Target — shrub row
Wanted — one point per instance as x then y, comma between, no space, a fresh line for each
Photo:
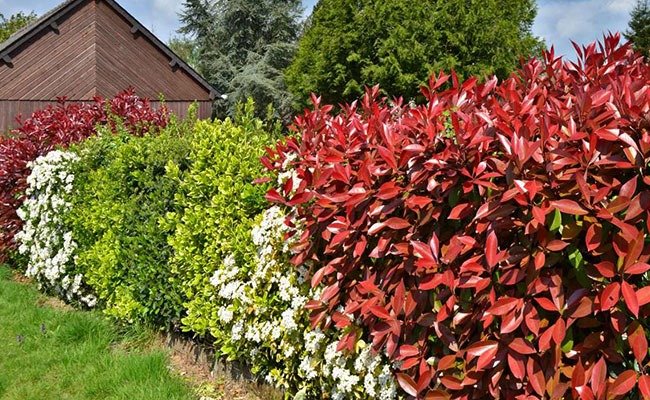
490,243
60,126
170,229
493,242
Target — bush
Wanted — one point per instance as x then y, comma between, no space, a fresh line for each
45,238
216,206
492,242
121,192
59,126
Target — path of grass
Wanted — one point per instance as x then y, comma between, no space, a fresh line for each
59,354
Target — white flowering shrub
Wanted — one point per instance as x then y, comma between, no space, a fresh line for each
263,320
45,240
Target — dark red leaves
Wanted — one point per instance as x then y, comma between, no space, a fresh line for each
623,384
496,235
638,342
569,207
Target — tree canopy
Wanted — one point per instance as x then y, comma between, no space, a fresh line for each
639,27
243,46
9,26
349,44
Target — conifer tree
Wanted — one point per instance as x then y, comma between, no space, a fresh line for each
350,44
639,27
243,47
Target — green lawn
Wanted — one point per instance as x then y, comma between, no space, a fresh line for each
53,353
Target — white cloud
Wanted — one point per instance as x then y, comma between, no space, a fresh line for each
583,21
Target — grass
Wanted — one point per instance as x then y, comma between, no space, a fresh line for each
51,352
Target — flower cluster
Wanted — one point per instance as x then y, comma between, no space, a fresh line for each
44,239
263,313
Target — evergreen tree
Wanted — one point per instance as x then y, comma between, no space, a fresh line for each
349,44
639,27
15,22
243,47
186,49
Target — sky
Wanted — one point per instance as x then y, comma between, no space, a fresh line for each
558,21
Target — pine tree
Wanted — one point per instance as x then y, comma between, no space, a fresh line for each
244,47
639,27
350,44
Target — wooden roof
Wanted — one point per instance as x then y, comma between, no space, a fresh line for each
50,22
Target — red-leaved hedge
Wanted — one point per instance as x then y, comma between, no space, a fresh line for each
60,126
493,241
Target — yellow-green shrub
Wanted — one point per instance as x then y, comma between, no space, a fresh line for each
217,202
122,190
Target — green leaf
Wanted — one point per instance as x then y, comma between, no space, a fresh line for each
556,222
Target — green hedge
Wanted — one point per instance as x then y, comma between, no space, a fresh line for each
173,230
122,191
217,202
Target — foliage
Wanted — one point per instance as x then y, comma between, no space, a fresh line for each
11,25
120,193
44,237
493,241
244,46
57,126
53,353
639,27
216,205
262,320
350,44
186,49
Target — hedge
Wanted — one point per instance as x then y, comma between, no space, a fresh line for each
493,241
489,243
60,126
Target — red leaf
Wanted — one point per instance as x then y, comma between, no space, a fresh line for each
536,376
387,156
557,245
423,251
638,342
503,306
623,384
517,364
521,346
598,376
436,395
380,312
479,348
569,207
644,386
397,223
407,384
637,269
459,211
593,237
610,296
491,249
643,295
629,295
606,269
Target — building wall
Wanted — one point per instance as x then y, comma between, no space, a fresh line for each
93,53
54,64
126,59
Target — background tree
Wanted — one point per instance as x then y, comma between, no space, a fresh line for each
14,23
352,43
244,46
186,48
639,27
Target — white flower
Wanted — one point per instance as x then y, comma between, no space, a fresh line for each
225,315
